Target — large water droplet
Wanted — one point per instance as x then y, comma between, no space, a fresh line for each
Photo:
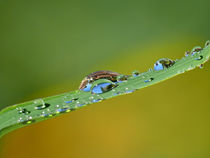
87,87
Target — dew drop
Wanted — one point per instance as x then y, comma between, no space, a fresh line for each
149,80
129,91
201,66
199,58
62,110
87,87
135,73
47,115
96,100
80,105
163,63
180,71
207,44
187,53
117,93
150,69
196,50
75,99
23,111
42,106
121,78
102,88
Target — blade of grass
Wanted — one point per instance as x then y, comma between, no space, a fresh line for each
37,110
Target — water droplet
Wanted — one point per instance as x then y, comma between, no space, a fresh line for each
42,106
196,50
149,80
71,100
23,111
180,71
150,69
201,66
187,53
80,105
28,120
117,93
47,115
102,88
121,78
87,87
129,91
135,73
199,58
163,63
96,100
62,110
207,44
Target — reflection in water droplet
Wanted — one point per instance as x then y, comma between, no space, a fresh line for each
149,80
22,111
163,63
199,58
42,106
102,88
87,87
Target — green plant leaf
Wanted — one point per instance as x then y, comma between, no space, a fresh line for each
37,110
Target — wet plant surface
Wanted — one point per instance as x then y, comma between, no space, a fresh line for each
97,87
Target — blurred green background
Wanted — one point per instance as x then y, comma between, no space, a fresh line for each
47,47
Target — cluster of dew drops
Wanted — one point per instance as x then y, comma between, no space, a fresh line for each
100,88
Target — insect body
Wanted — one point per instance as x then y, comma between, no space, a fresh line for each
89,79
163,63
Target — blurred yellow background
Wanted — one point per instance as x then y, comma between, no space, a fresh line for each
47,47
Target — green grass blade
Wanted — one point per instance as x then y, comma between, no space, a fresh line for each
37,110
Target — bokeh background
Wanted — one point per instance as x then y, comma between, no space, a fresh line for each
47,47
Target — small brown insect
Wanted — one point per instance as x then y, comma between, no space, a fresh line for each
112,76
